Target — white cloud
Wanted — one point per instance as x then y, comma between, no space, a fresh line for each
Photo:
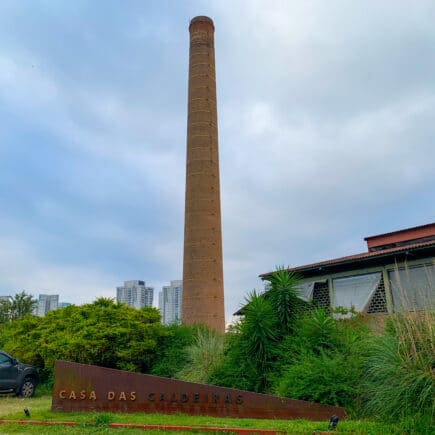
75,284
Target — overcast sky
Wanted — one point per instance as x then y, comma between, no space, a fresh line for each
326,132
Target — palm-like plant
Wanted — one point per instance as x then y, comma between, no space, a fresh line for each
283,295
319,329
258,335
259,327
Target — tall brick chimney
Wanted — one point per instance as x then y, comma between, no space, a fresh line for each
203,291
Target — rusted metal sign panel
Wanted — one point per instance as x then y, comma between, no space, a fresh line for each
81,387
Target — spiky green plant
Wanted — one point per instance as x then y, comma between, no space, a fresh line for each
319,329
283,295
259,335
259,328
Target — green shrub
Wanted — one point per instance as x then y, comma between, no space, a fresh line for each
235,369
327,377
172,354
317,331
321,360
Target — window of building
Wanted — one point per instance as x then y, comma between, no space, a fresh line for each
413,288
316,291
305,290
355,291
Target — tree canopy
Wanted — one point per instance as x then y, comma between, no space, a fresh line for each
103,333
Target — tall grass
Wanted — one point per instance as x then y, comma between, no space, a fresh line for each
400,367
203,356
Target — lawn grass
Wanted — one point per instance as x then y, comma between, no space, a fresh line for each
11,408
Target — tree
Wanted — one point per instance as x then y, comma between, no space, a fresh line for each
22,304
5,310
17,307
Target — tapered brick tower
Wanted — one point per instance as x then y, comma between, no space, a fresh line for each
203,291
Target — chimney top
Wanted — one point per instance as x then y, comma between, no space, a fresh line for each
201,21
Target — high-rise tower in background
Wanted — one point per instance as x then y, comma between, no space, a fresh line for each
135,293
203,291
47,303
170,302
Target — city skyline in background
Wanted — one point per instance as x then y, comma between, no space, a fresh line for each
134,293
326,135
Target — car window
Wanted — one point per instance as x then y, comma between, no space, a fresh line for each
4,360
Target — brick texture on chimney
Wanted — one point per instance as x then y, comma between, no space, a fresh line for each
203,292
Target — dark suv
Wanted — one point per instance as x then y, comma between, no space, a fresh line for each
16,377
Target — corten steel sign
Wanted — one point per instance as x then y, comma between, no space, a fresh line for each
81,387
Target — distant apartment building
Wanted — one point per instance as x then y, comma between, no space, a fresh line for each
170,302
64,304
47,303
4,298
136,294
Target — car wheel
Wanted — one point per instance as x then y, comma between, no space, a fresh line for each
28,388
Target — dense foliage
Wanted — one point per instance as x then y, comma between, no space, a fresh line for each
282,345
322,361
252,345
102,333
333,358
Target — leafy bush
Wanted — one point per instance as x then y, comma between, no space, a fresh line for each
318,331
235,369
103,333
322,360
171,353
329,378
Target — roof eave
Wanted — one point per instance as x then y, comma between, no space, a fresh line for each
324,267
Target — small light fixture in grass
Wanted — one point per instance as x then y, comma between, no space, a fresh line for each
333,421
26,412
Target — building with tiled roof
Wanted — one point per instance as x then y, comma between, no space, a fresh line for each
396,272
